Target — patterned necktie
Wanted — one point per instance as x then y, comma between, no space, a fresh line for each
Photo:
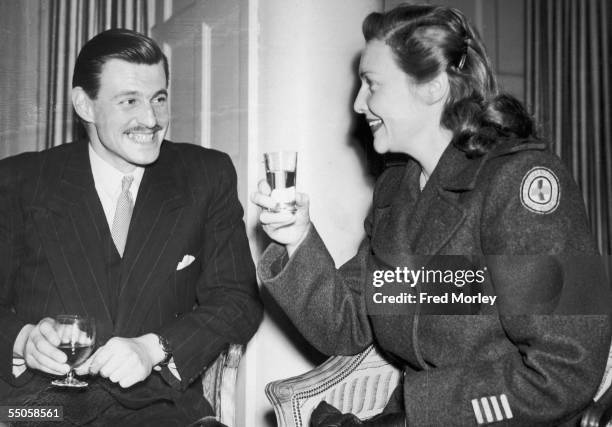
123,214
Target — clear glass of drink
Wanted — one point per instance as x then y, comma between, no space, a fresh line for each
77,336
281,168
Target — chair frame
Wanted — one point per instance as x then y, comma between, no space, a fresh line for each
289,396
219,384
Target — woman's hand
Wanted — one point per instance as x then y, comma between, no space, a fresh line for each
284,227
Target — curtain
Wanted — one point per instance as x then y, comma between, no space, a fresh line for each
71,24
568,90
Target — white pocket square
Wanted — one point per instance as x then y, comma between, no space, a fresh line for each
185,262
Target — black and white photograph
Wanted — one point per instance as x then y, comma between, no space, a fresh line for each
291,213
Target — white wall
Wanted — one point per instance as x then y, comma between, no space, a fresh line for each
307,54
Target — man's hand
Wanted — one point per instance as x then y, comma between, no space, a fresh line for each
125,361
37,344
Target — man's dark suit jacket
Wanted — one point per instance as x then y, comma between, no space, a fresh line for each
57,256
494,366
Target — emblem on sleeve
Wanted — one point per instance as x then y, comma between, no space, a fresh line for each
540,191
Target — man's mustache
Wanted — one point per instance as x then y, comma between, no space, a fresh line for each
137,129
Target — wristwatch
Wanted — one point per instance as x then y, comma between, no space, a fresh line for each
165,345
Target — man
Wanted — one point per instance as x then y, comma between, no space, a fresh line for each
167,296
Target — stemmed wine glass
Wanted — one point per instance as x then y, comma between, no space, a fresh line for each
77,336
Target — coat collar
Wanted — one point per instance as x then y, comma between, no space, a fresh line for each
407,222
457,172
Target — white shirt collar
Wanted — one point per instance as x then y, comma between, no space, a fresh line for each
107,180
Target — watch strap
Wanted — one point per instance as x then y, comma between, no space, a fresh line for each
165,345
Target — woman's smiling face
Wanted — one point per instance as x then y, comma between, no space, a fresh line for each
398,117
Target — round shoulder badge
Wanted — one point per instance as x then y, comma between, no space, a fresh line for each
540,191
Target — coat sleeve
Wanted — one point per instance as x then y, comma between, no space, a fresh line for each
324,303
229,309
327,305
558,360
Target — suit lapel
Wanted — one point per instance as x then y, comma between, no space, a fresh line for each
74,233
153,246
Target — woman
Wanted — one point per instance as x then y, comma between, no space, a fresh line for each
478,184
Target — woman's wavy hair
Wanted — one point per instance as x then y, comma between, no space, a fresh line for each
427,40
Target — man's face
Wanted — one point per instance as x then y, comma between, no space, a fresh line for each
130,114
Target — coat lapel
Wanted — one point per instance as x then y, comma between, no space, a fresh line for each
74,232
154,244
440,212
411,227
437,218
393,213
422,223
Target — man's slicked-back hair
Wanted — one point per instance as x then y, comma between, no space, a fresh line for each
116,43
